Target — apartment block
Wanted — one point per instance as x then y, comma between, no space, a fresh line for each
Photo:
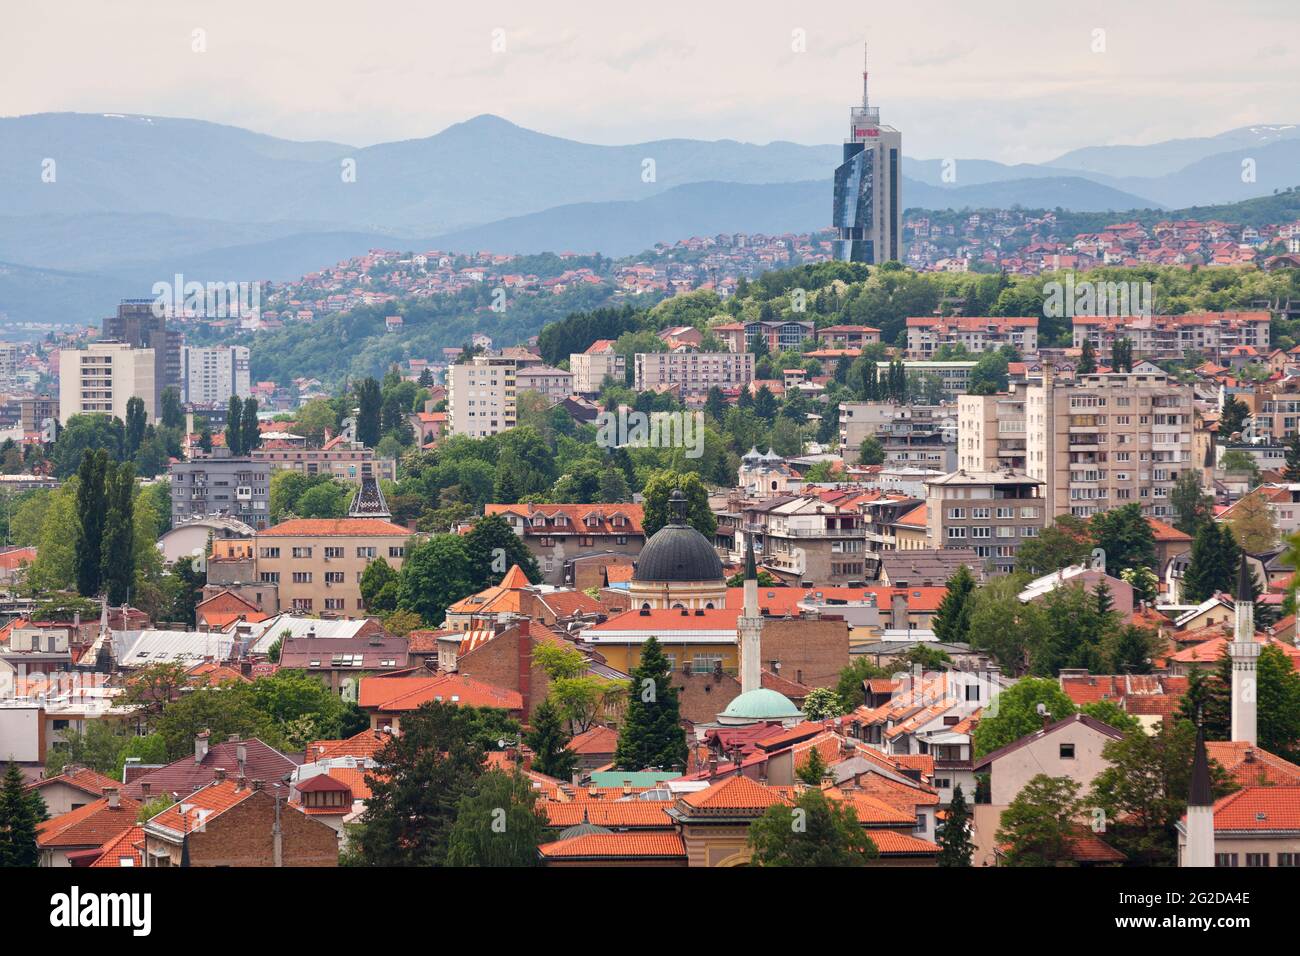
349,461
993,512
953,377
103,377
559,534
804,539
553,384
8,365
913,436
693,372
234,487
481,395
1109,439
976,333
780,334
1214,334
138,325
592,367
211,376
317,563
847,336
991,431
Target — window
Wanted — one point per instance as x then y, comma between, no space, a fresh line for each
333,553
365,553
302,577
302,552
1257,859
1067,751
1225,859
334,604
397,552
270,552
1288,859
302,604
333,577
706,663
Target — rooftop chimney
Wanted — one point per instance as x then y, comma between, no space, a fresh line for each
201,745
114,798
145,788
219,774
241,755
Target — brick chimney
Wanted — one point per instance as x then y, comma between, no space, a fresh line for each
241,755
525,664
145,788
114,798
201,745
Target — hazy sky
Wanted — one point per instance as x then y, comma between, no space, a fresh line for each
999,79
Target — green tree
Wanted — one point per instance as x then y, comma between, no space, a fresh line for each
20,813
658,490
136,420
549,742
171,411
1278,695
499,824
92,507
417,787
871,452
369,407
822,703
1190,502
1014,713
850,689
435,574
952,620
57,554
1292,470
813,769
814,832
493,549
117,551
1087,359
1039,825
235,426
1126,536
250,436
1066,542
953,837
1004,626
1212,567
651,736
380,585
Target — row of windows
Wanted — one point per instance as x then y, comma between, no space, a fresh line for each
396,551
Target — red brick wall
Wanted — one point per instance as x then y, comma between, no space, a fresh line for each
242,837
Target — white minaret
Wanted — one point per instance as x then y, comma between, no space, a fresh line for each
1200,810
749,627
1244,651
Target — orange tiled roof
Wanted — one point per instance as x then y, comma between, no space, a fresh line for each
615,814
82,778
597,740
890,843
365,744
326,527
639,845
1258,808
193,811
92,825
126,849
1252,766
408,693
734,793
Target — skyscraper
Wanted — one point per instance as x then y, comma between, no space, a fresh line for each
868,215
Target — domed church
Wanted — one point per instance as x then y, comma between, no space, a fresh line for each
678,567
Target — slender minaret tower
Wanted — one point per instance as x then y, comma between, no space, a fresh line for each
749,626
1245,653
1200,809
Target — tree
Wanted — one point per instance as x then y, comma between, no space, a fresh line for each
152,687
435,574
1143,790
135,425
952,620
1278,695
1087,359
814,831
1252,524
850,689
813,769
235,426
1212,568
871,452
499,824
1039,825
250,436
822,703
955,844
379,587
369,407
171,413
20,813
1232,419
549,742
1014,713
1125,535
417,788
58,556
1292,470
1066,542
1190,502
117,551
91,514
659,488
651,737
1207,702
493,549
1005,626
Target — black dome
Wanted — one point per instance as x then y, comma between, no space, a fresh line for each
677,552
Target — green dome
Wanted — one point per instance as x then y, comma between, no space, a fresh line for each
761,704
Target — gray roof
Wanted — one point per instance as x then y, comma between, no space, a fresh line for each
142,648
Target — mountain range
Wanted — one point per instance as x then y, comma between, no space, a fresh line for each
96,203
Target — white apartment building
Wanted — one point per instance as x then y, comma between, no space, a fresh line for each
976,333
210,376
592,367
991,431
481,396
102,378
553,383
694,372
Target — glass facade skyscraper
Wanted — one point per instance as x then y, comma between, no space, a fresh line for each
868,207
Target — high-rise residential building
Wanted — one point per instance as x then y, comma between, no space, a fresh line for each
994,512
139,326
592,367
8,365
694,372
868,211
1109,439
211,376
103,377
991,431
554,384
235,487
481,395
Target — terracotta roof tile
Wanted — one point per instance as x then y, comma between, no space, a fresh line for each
641,845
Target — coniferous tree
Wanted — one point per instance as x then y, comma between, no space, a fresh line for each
813,769
91,509
117,553
1208,700
550,743
235,426
20,812
955,845
1292,470
136,419
499,824
370,402
1087,360
651,736
952,619
250,436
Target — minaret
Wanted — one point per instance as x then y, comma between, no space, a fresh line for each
1244,652
1200,810
749,626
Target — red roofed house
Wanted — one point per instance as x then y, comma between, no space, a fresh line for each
386,698
75,838
556,534
250,759
1254,826
72,789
